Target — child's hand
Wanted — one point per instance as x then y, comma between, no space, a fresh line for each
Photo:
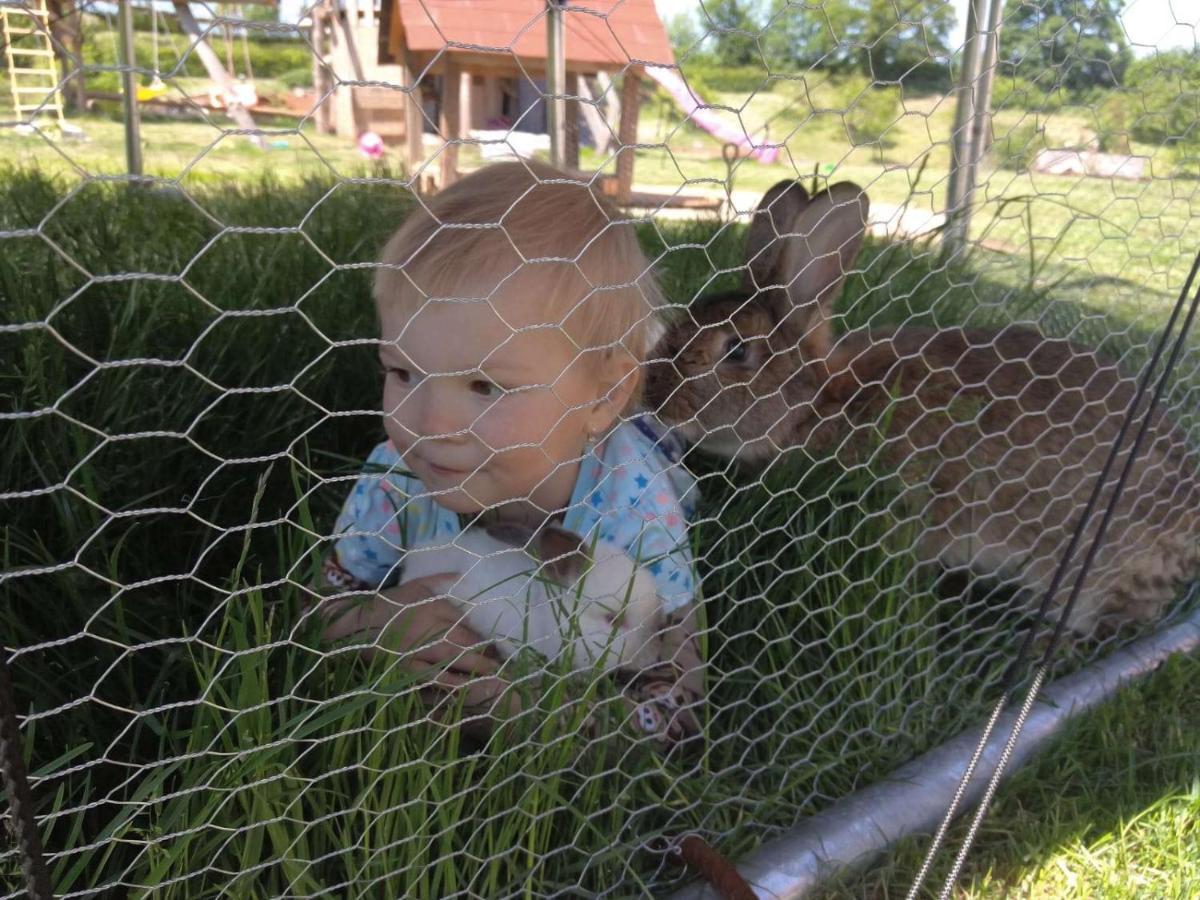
427,632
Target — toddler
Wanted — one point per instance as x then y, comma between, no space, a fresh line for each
515,315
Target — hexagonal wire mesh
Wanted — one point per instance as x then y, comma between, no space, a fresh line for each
810,466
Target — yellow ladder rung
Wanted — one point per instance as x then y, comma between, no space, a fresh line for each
34,90
16,71
15,51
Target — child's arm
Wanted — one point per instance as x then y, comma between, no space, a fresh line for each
427,633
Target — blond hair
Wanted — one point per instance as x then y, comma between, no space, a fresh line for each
467,240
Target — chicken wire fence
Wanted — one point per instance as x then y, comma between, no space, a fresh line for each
867,432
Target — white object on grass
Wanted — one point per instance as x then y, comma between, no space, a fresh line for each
591,601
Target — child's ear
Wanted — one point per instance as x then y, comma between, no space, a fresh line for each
620,379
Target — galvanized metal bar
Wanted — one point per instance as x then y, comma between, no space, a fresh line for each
132,115
556,81
955,234
860,828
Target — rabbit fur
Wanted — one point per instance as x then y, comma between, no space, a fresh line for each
591,601
997,436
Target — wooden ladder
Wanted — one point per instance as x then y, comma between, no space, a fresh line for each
29,54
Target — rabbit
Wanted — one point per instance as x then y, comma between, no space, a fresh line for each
590,600
997,435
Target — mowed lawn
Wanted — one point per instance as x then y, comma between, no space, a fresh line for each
1127,242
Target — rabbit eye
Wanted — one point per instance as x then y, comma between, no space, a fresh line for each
736,350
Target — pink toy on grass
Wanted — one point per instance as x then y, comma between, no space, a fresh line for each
370,145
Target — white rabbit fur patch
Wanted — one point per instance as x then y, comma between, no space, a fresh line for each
589,600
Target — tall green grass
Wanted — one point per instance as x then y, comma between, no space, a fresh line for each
178,442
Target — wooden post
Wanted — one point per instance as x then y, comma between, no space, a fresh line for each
414,118
465,103
597,124
627,134
322,82
450,121
571,135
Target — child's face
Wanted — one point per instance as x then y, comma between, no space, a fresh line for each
484,411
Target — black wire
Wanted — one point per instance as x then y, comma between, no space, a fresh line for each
20,798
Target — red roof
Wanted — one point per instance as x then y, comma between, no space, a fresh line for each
604,33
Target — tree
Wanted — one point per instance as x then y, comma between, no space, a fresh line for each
1075,44
886,40
66,25
801,35
733,31
684,37
906,37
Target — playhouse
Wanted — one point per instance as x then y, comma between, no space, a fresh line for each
478,72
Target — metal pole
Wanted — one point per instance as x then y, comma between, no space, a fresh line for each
982,141
556,81
981,117
133,121
858,829
957,217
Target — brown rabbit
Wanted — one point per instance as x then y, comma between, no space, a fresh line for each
997,436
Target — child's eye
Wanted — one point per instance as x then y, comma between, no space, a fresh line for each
486,389
401,375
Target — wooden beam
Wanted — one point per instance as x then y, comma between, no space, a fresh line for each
322,80
212,64
465,102
627,134
571,134
449,123
502,63
600,129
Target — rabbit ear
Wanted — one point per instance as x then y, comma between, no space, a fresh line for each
563,554
822,244
773,217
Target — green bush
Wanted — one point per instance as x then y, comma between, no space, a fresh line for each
297,78
268,59
1014,92
707,79
1017,148
1184,155
1164,97
869,111
1112,124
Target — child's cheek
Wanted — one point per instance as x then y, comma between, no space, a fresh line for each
518,420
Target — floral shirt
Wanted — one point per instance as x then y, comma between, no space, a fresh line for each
632,490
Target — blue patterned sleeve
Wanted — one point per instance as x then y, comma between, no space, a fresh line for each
377,520
641,499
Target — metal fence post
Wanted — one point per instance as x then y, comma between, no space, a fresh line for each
133,123
957,212
556,81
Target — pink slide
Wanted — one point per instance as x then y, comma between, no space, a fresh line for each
706,118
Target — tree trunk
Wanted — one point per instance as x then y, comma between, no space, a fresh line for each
66,26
